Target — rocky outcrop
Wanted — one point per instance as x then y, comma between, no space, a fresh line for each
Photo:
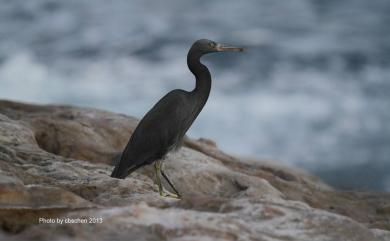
55,163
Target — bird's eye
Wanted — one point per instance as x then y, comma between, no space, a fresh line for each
212,45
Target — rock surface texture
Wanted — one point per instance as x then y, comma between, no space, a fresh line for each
55,163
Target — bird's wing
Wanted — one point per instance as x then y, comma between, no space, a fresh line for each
158,131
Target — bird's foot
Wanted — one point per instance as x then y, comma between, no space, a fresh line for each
168,194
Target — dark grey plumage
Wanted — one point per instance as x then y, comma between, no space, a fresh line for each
164,126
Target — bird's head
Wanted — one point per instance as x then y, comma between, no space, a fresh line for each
205,46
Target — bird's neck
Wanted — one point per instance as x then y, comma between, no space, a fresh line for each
202,75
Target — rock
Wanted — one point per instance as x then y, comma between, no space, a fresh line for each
55,163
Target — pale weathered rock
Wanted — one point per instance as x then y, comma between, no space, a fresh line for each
55,163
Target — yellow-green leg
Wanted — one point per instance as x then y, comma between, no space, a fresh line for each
158,167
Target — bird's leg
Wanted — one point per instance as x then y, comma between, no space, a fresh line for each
161,189
158,180
169,182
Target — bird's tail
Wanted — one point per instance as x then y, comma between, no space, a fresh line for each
116,173
121,169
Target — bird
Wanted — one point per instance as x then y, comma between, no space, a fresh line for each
163,127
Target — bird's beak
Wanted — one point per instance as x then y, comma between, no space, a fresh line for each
226,47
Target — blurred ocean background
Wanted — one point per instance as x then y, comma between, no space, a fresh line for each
312,89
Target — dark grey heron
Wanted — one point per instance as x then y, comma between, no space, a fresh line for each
164,126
